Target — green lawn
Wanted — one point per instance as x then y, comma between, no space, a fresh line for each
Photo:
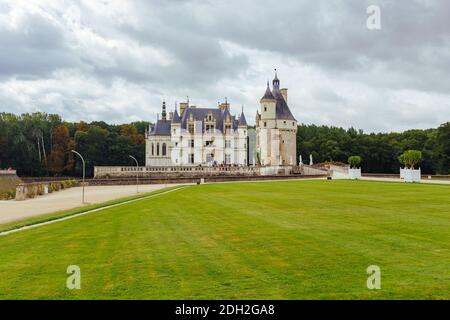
277,240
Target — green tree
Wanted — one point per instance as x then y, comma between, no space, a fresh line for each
411,158
354,161
442,149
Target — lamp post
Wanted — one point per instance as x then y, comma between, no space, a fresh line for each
137,173
84,169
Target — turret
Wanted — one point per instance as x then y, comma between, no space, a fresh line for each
242,121
268,105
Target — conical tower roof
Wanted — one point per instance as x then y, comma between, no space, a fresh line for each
242,120
268,95
176,117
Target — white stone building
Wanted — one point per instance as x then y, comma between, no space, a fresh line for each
276,128
197,136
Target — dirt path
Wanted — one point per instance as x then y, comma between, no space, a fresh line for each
67,199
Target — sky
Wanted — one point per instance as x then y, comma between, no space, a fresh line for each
116,61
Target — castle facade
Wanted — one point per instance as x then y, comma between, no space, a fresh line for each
198,136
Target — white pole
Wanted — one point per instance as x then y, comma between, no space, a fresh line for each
137,173
84,170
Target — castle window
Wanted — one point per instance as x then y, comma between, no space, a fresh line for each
157,149
265,124
164,149
191,143
284,122
227,143
227,158
191,128
153,149
265,108
191,158
293,124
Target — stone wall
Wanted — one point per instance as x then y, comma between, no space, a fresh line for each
104,172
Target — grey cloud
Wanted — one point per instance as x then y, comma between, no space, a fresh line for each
411,52
35,50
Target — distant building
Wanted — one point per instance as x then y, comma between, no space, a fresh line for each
276,128
198,136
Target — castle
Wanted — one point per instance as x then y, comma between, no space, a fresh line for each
212,136
198,136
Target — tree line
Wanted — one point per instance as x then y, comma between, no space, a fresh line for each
380,152
39,144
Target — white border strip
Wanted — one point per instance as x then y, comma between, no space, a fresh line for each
86,212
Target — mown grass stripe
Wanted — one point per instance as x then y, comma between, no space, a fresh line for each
39,224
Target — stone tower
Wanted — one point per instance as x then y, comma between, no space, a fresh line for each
276,128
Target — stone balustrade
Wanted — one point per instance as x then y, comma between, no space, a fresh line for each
101,172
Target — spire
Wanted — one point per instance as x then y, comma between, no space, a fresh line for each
164,114
242,120
276,82
176,117
268,95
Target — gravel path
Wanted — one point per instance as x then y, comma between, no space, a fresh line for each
68,199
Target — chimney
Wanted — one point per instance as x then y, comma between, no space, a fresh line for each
183,106
284,93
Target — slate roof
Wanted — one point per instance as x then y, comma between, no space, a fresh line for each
199,114
268,95
242,120
176,117
282,109
161,128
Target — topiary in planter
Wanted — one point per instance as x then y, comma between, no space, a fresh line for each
354,161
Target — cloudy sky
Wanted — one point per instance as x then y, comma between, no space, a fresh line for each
117,60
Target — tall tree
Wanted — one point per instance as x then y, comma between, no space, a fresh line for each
442,149
60,149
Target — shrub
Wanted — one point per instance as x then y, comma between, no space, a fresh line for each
335,163
40,190
411,158
31,191
354,161
8,194
52,187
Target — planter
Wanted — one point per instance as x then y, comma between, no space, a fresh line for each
354,173
410,175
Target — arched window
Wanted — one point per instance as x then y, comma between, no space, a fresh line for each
157,149
153,149
163,149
